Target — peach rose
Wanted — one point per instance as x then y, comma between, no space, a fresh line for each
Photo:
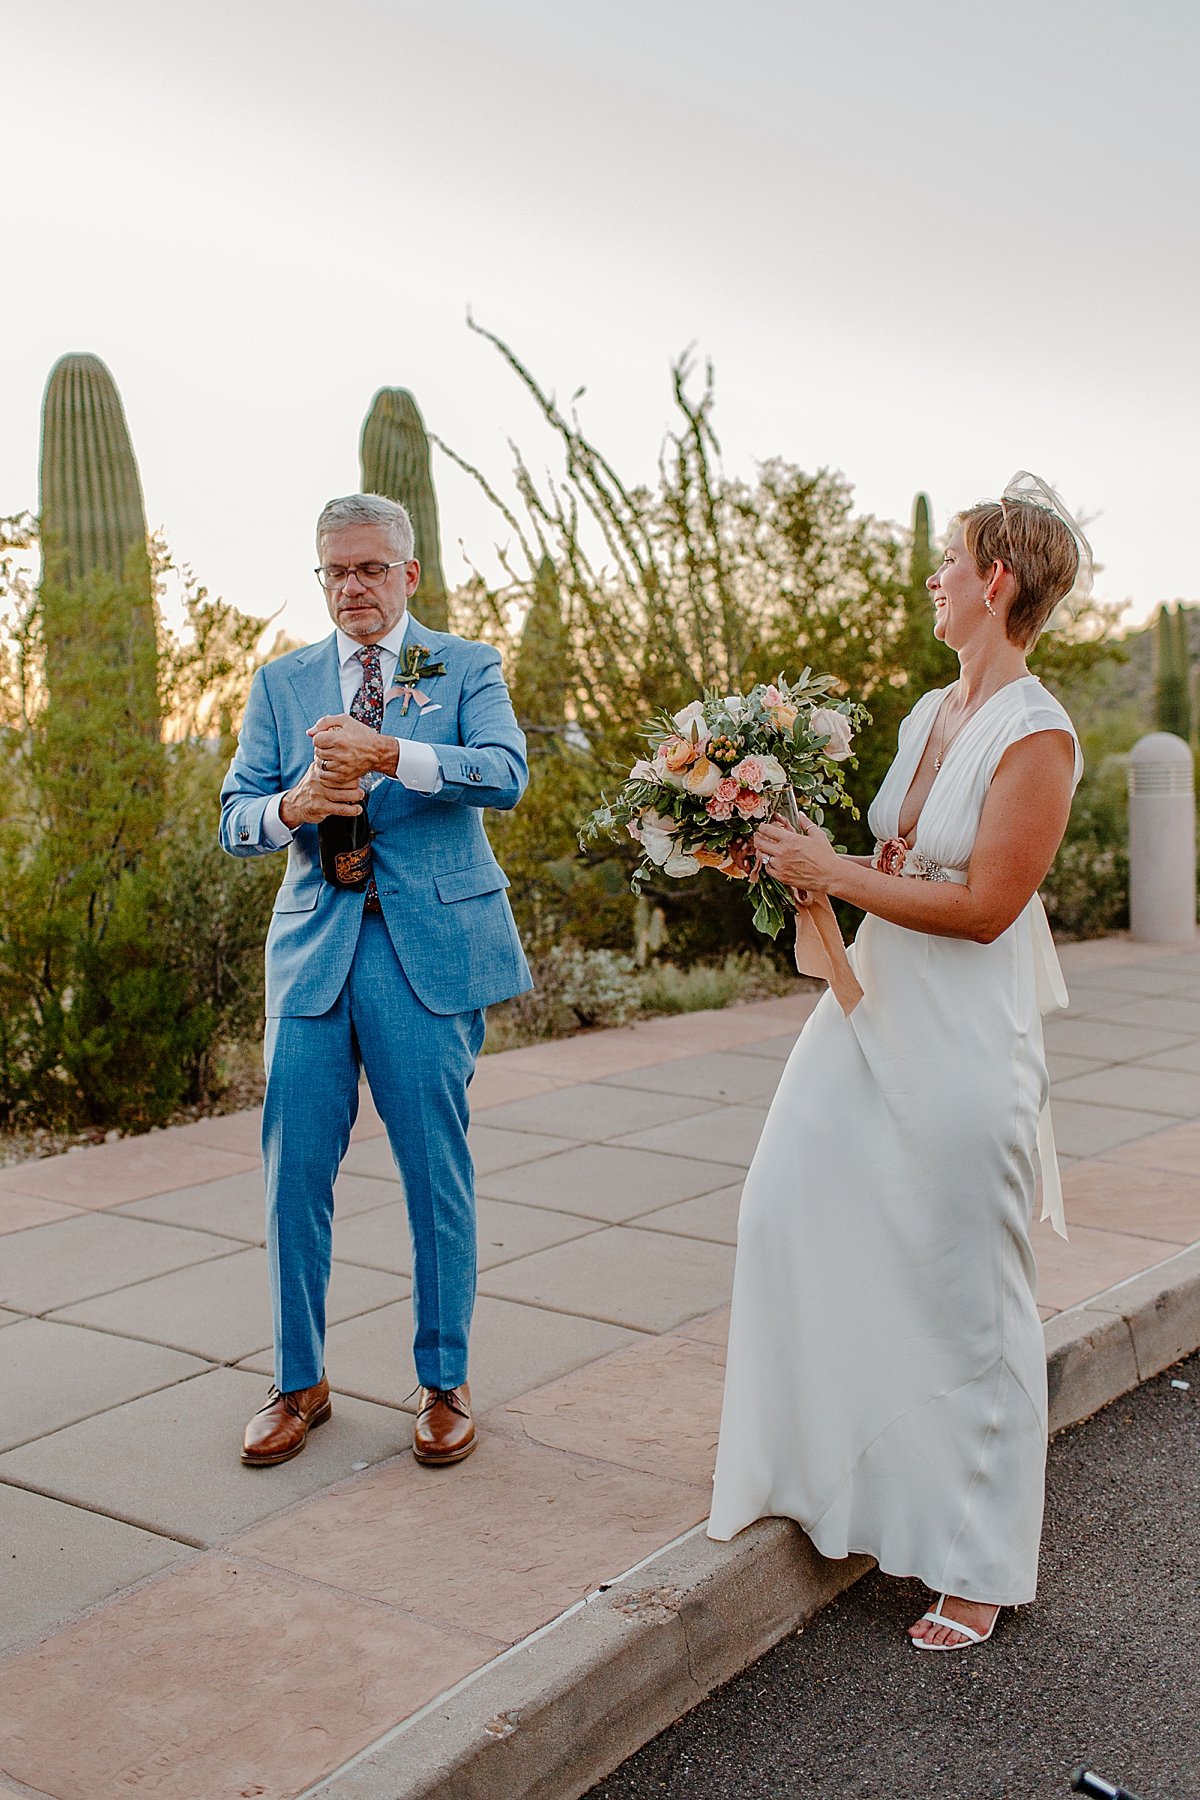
703,777
783,715
677,754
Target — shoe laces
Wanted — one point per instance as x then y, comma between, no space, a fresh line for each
449,1396
291,1402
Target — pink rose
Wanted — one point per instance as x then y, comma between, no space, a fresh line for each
726,789
720,806
772,696
749,773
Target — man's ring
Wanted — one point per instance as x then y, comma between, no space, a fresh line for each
324,766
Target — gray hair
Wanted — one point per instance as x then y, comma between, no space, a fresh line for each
369,509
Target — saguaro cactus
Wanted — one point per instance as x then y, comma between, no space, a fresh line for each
1172,699
923,561
540,678
395,462
97,592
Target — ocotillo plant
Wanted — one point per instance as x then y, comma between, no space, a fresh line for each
540,679
93,531
1172,701
395,462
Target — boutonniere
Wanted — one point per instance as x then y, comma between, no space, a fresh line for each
412,667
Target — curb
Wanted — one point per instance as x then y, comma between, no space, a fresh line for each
559,1711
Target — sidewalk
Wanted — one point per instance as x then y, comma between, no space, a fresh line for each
175,1624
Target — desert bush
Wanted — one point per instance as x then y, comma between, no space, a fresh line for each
129,944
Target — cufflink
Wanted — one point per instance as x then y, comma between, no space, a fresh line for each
474,775
244,835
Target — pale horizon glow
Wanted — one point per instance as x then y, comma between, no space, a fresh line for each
925,245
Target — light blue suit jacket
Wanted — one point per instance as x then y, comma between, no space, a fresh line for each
440,886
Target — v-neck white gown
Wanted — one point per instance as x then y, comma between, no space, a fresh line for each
886,1380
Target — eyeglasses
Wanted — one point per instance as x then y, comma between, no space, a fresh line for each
370,574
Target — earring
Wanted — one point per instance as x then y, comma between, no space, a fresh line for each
990,604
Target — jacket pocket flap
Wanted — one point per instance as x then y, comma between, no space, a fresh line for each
294,898
467,884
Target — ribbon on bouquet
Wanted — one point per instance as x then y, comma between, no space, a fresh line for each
410,693
819,947
820,950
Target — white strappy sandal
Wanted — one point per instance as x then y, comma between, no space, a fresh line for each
937,1617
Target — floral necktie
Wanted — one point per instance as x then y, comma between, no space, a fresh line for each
367,708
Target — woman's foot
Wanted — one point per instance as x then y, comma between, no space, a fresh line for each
936,1630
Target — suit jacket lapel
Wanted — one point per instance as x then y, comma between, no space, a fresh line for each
316,681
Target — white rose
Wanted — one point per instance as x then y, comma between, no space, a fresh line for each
658,835
668,777
680,864
836,727
644,771
690,723
734,705
773,772
704,777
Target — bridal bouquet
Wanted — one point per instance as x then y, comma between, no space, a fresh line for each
719,768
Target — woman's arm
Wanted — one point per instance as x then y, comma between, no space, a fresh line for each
1020,829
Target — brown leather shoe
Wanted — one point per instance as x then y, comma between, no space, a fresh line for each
279,1429
445,1430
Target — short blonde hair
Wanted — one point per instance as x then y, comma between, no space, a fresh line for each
1038,548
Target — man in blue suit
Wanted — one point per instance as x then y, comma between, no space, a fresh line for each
392,980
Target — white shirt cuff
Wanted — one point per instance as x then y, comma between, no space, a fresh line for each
417,766
274,831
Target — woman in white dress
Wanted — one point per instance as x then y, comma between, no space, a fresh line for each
886,1380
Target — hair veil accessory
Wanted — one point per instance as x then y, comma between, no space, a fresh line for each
1027,489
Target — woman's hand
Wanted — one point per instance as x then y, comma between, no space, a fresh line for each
802,859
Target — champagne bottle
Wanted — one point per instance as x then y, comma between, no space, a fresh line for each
345,846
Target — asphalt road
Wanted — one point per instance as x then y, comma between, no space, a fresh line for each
1103,1669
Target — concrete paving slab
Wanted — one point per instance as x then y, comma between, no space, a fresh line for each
52,1265
1097,1038
513,1347
773,1049
594,1054
622,1276
712,1216
1137,979
381,1240
727,1134
655,1406
59,1560
51,1375
545,1529
10,1318
592,1111
1070,1273
598,1181
496,1082
237,1131
223,1679
490,1150
222,1311
1168,1091
1176,1150
1185,1056
748,1079
169,1462
19,1211
101,1175
1083,1128
1161,1013
1153,1203
709,1328
235,1206
1062,1067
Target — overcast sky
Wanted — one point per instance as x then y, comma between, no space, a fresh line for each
924,243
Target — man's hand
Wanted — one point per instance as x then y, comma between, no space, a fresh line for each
317,797
346,749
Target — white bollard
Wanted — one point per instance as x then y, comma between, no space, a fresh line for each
1162,841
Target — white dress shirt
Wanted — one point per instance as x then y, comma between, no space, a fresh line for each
417,765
